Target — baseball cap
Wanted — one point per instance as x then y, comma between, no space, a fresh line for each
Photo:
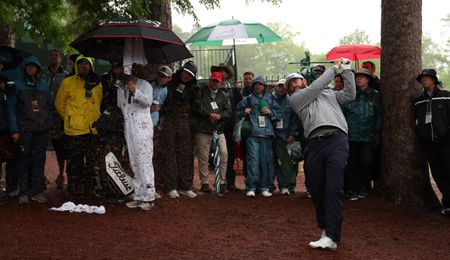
281,82
166,71
291,77
216,76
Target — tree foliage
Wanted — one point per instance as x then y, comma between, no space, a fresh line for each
356,37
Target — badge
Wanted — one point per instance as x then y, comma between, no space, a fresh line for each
428,118
262,121
279,124
180,88
35,106
214,105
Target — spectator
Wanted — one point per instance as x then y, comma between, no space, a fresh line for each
29,115
111,81
327,149
54,74
375,84
159,98
135,102
78,103
318,70
285,132
338,82
211,112
363,117
175,124
261,110
432,113
247,89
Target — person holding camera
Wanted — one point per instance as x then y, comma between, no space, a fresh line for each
29,115
326,152
78,103
262,111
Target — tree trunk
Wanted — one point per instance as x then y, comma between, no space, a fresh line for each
404,176
6,36
161,11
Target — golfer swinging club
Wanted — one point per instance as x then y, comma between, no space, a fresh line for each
327,147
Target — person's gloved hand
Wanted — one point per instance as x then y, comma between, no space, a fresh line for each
346,64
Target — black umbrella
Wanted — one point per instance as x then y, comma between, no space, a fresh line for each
12,57
106,41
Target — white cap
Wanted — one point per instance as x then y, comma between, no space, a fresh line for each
291,77
281,82
166,71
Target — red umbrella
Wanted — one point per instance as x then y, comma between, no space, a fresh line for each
355,52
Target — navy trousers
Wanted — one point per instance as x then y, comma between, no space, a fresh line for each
325,161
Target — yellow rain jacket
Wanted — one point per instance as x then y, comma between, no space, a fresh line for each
78,112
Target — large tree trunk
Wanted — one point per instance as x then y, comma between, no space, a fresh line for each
161,11
6,36
404,175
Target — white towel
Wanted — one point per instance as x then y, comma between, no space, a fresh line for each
71,207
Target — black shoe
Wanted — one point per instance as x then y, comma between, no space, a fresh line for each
233,188
205,188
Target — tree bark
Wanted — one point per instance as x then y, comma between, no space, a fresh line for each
404,177
161,11
6,36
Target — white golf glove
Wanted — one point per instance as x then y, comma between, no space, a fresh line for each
346,64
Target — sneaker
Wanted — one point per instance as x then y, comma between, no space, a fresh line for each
363,195
157,196
60,181
23,200
173,194
205,188
40,198
446,212
284,192
13,194
266,194
353,196
145,205
133,204
188,193
323,243
250,194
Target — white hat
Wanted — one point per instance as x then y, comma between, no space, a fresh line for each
166,71
281,82
291,77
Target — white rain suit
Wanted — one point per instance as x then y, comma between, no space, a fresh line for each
139,137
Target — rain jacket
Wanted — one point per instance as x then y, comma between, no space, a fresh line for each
317,106
22,114
252,102
287,126
363,116
78,112
203,107
438,106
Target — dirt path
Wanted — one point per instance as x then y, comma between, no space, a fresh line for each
209,227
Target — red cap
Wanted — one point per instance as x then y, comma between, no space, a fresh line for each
217,76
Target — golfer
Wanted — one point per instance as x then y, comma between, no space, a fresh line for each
327,146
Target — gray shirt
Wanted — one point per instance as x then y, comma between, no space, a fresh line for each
317,106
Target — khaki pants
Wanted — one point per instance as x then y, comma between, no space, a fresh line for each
202,147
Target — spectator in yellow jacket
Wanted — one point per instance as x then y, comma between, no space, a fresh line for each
78,103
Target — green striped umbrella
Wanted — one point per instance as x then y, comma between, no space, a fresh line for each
233,32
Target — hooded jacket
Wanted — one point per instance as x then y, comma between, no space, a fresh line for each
30,106
363,115
73,104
